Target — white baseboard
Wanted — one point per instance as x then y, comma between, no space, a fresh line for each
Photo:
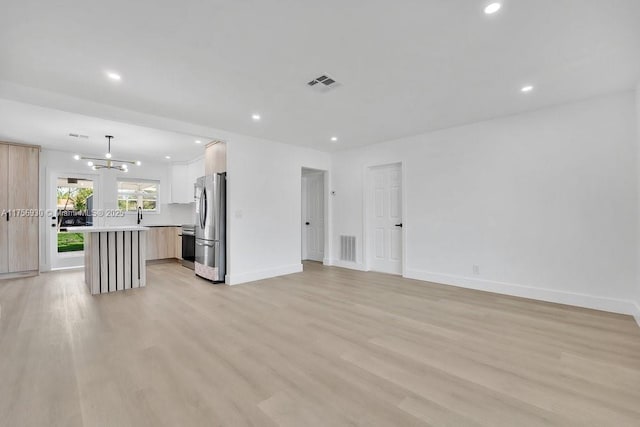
636,313
81,267
252,276
347,264
613,305
19,275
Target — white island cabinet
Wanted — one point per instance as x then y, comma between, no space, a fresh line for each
114,258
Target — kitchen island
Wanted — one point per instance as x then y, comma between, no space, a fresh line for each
114,258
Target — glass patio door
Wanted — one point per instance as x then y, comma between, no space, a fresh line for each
71,202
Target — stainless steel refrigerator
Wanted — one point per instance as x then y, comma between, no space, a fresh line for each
211,208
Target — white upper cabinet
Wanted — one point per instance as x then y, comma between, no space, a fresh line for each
179,184
195,171
183,177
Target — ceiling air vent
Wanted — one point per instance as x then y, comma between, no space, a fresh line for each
324,83
78,135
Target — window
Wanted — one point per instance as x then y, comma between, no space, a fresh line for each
133,193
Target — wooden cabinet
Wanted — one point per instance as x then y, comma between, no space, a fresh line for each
178,234
19,231
4,205
162,243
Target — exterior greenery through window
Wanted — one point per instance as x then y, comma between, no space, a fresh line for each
133,193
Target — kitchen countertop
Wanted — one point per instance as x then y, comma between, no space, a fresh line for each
97,229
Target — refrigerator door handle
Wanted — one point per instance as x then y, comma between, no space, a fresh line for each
203,210
200,209
209,245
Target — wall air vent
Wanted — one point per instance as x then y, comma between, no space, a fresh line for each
323,83
348,248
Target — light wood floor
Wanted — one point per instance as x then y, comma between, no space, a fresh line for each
326,347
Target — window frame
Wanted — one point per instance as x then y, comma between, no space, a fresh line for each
140,199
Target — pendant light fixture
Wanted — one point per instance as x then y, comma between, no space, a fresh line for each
108,162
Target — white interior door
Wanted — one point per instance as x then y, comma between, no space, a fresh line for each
313,216
385,219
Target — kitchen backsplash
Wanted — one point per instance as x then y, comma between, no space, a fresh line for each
169,214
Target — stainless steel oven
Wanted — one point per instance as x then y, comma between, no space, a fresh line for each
189,246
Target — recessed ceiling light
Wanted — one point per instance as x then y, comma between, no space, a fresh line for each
114,76
198,141
492,8
334,138
526,89
167,157
255,117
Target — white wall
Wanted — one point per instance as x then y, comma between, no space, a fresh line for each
263,202
264,189
265,241
550,160
637,307
545,203
106,187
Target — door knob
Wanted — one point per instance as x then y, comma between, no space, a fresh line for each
307,223
399,225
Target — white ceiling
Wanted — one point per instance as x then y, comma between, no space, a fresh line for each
405,67
20,122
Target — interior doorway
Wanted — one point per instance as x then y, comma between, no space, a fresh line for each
384,219
71,203
313,215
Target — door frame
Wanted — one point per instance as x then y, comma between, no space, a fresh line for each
51,206
366,199
325,202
